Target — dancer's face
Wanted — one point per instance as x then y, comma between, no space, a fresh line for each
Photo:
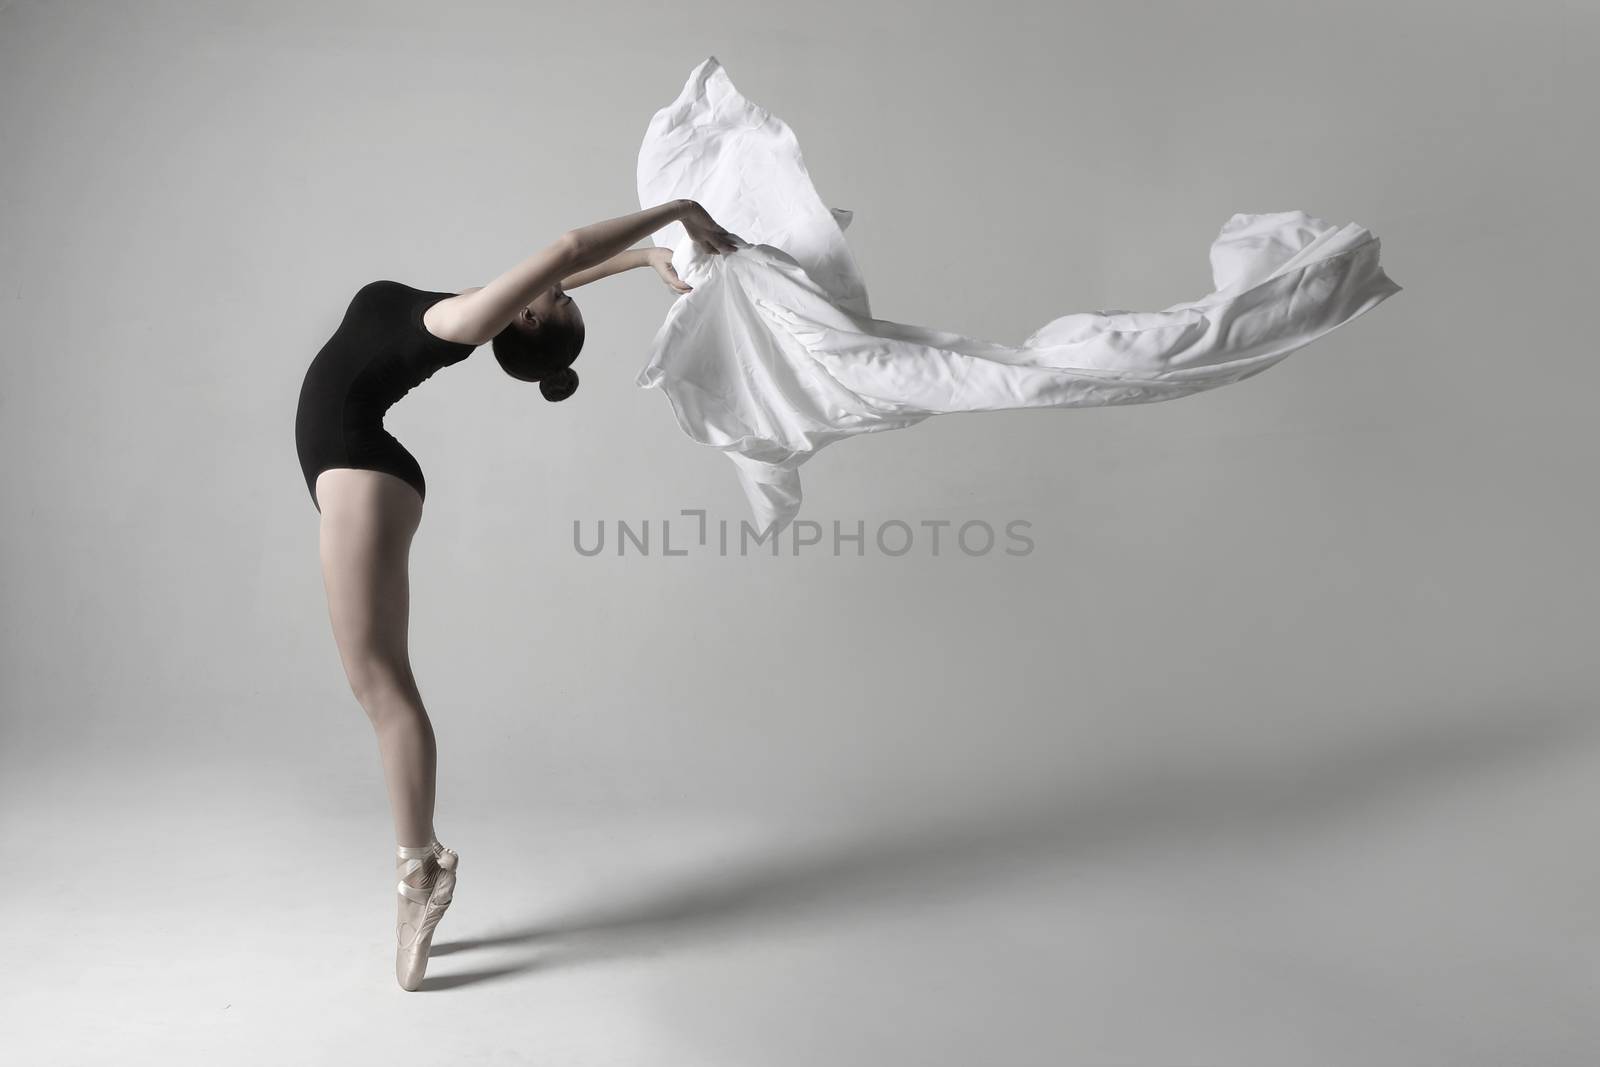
554,306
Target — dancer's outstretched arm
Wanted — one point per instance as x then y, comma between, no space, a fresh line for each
655,257
627,259
483,313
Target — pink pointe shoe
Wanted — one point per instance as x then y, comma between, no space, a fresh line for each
427,885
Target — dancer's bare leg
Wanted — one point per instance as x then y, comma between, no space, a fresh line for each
368,520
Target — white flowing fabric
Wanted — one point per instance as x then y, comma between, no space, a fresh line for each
775,354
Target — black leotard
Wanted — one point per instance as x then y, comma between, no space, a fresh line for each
379,353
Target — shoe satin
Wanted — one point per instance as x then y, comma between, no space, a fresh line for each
420,909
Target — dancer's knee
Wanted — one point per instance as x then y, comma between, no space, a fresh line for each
383,689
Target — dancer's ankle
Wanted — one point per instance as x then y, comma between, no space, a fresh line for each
418,852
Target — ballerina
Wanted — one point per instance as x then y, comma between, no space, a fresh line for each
369,490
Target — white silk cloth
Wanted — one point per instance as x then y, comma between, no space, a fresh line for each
775,355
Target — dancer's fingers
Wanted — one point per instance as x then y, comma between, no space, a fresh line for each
720,244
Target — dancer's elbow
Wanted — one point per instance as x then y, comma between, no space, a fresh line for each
570,247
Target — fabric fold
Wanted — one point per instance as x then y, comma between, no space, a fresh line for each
775,355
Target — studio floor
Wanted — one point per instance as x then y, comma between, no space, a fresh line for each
1416,902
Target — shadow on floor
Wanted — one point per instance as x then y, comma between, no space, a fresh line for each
888,866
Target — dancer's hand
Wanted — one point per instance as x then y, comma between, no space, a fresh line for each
660,259
709,237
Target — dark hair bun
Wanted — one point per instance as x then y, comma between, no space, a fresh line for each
560,385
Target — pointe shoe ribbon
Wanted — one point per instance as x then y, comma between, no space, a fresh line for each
441,888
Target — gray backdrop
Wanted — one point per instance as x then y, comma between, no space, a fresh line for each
1277,748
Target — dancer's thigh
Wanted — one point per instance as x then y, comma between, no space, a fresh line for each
368,521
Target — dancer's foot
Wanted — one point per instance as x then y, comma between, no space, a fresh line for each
427,885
